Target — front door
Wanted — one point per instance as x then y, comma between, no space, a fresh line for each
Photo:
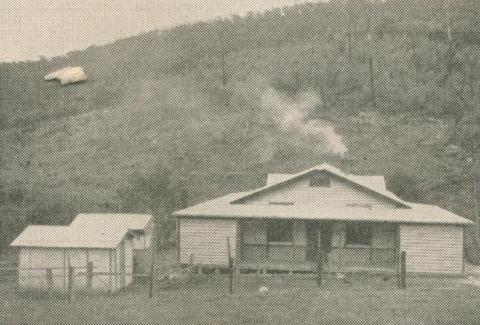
312,232
319,236
326,237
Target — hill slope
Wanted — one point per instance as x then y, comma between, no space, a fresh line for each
222,103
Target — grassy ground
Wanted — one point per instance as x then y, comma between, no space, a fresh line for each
361,300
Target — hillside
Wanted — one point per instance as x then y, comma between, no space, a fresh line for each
222,103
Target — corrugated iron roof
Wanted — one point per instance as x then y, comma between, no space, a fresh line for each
69,237
229,206
418,213
136,222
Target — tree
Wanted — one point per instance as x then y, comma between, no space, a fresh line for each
405,186
151,192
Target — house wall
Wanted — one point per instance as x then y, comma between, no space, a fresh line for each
339,193
206,240
433,248
380,254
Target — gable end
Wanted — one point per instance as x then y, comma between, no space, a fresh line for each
324,178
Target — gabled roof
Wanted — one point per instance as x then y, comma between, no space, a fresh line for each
358,181
228,206
70,237
136,222
222,208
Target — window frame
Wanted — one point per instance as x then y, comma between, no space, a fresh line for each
319,181
357,228
288,226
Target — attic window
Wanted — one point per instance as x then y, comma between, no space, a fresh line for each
319,181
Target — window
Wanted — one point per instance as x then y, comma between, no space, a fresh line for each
358,234
319,181
280,203
359,205
280,231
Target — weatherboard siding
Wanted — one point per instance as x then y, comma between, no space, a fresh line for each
206,240
338,193
31,263
433,248
128,260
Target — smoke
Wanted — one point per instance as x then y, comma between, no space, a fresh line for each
291,115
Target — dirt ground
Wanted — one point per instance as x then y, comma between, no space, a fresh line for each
359,299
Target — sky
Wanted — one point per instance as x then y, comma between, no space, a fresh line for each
33,28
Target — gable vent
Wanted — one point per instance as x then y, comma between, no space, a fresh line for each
319,181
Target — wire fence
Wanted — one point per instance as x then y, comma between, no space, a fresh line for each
69,281
62,280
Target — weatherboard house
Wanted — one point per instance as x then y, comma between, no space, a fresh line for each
353,221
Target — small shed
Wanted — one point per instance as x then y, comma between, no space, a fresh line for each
46,252
140,225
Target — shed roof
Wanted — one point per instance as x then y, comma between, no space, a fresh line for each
136,222
69,237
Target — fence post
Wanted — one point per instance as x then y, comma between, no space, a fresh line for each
71,283
403,270
89,275
191,265
49,275
319,267
150,285
230,267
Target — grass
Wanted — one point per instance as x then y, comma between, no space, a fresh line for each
290,300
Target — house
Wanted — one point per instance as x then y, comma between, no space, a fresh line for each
354,221
140,225
55,248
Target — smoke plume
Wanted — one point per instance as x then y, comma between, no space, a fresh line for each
291,115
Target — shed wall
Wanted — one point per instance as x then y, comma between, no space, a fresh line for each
128,270
206,240
433,248
34,262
